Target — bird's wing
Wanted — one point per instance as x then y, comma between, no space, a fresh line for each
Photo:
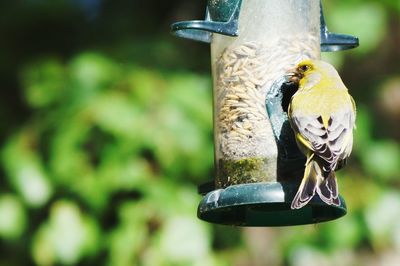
340,132
328,137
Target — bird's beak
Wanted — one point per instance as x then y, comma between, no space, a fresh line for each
293,75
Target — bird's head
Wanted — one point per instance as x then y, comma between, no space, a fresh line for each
311,71
302,69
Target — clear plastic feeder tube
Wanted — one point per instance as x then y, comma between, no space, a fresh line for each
274,35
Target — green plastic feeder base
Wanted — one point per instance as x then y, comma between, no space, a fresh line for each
264,204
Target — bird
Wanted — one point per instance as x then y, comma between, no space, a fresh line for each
322,115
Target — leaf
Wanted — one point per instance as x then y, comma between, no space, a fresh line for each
68,236
25,169
14,218
44,82
91,73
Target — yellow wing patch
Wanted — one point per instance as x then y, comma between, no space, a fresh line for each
303,141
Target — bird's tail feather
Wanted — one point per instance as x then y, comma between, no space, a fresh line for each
313,182
328,190
308,185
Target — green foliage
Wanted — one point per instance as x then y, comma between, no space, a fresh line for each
110,134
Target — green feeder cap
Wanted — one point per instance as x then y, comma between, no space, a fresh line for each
264,204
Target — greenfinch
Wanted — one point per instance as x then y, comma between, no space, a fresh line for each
322,115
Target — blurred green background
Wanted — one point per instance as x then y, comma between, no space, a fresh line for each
106,130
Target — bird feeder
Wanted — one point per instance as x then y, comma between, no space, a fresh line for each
258,165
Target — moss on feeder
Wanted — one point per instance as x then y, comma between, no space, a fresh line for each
247,170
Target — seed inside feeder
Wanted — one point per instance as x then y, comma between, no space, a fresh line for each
244,74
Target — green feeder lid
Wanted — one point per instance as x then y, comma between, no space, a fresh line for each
264,204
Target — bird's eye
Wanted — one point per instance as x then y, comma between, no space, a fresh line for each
304,68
